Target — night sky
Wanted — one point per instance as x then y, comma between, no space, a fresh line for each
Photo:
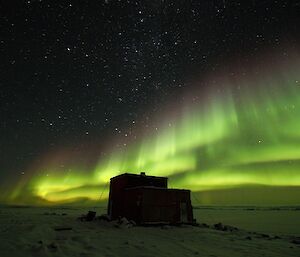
86,87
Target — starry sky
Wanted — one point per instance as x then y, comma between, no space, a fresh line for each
205,92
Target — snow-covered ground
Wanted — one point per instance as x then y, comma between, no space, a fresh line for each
280,220
36,232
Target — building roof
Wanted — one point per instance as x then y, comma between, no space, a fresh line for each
142,174
157,188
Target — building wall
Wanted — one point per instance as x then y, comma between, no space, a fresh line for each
166,206
116,203
131,198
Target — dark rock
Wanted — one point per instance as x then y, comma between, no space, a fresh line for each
231,229
52,246
62,228
296,241
122,222
103,217
90,216
221,227
264,235
203,225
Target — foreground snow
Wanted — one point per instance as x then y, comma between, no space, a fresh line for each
57,232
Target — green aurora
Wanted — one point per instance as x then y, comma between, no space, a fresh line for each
245,134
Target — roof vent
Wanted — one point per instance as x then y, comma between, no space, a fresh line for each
143,174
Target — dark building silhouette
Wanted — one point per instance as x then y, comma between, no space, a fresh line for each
147,199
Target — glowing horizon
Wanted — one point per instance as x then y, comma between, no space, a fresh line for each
247,134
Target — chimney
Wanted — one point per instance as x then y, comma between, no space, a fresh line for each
143,174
